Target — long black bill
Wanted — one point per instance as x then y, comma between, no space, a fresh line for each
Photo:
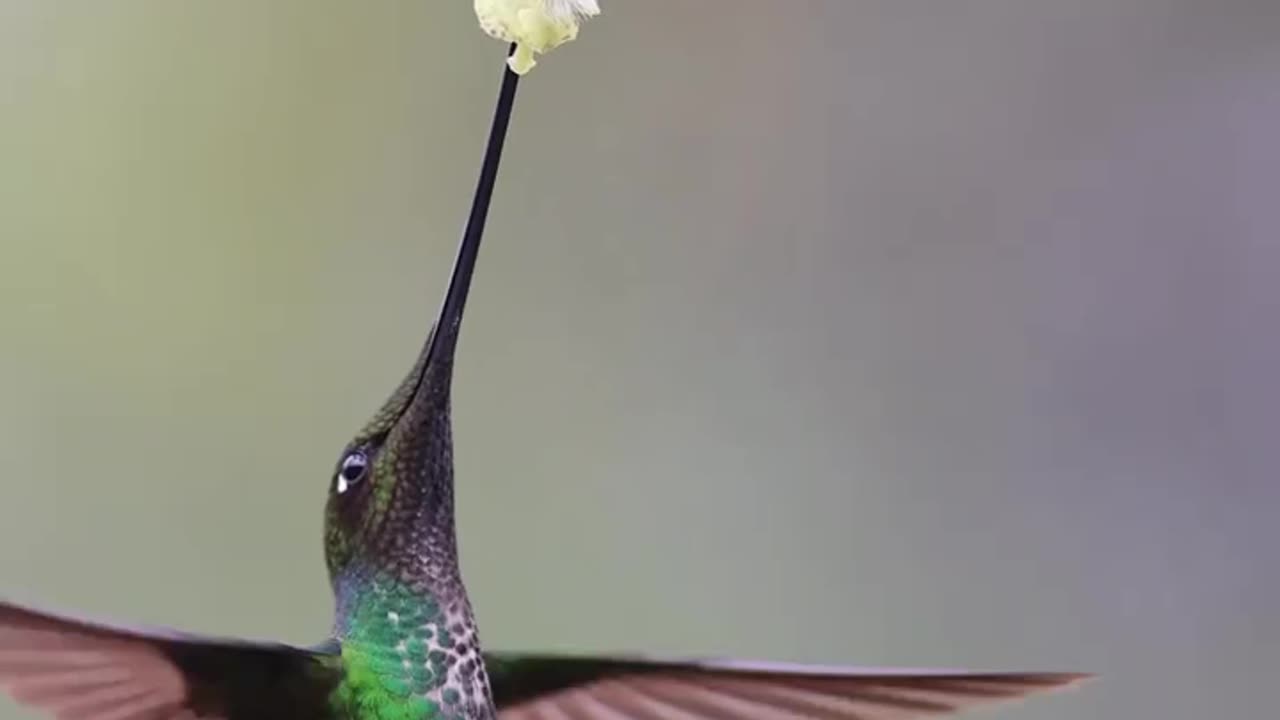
422,397
445,338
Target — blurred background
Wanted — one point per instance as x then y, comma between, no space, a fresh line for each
892,332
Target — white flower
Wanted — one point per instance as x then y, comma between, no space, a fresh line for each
535,26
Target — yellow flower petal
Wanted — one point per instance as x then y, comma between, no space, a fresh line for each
535,26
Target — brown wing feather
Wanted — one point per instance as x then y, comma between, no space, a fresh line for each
79,673
77,669
565,688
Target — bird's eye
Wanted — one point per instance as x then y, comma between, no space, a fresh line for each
354,466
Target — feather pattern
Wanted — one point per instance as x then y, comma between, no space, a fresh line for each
533,687
76,669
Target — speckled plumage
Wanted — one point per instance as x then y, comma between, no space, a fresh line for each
407,655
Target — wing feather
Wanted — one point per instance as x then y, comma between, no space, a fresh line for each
79,669
544,687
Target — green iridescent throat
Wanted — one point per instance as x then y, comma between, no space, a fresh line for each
408,655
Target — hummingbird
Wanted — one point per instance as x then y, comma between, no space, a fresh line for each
404,643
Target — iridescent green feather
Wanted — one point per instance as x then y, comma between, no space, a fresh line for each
397,651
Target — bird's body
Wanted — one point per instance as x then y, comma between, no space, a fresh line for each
404,644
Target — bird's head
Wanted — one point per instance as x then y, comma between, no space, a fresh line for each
390,504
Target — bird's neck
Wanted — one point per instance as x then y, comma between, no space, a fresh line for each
409,647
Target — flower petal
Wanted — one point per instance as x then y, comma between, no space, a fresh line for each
535,26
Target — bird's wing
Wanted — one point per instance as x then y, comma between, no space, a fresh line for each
78,669
533,687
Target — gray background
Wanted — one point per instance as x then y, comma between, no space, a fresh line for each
893,332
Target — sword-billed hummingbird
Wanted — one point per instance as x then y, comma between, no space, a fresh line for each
404,644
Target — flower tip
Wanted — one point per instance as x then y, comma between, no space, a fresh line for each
535,26
521,61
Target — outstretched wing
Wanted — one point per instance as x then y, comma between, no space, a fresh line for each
78,669
532,687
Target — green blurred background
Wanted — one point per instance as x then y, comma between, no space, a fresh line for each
892,332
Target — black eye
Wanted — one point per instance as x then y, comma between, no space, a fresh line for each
353,468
